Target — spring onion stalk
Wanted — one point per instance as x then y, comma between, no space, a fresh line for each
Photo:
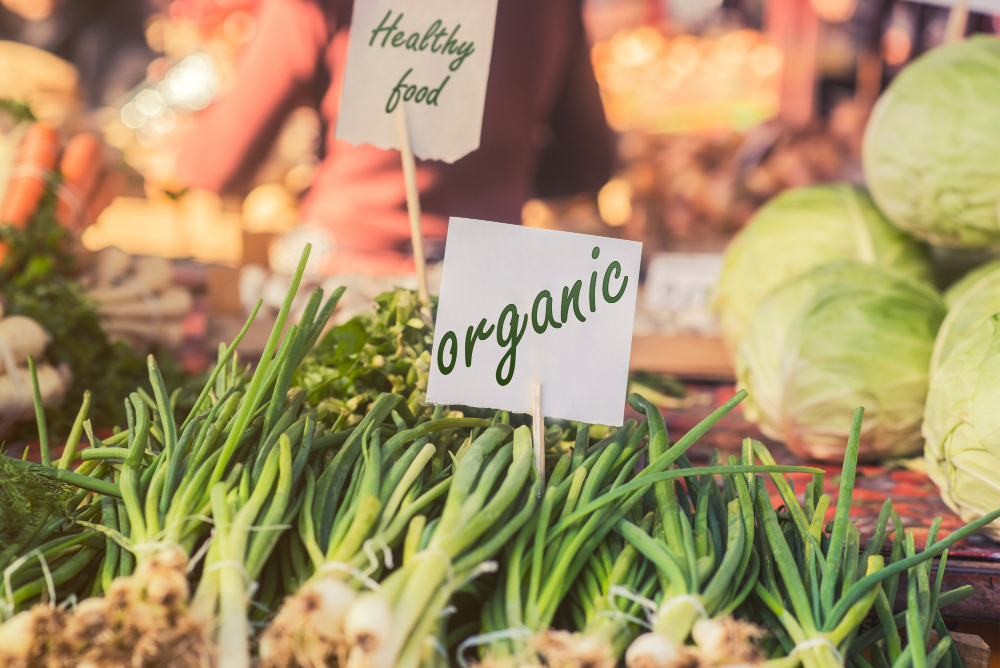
224,588
73,440
817,585
542,563
611,595
924,601
349,538
701,544
488,500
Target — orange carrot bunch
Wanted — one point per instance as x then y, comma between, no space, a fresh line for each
86,188
35,160
82,168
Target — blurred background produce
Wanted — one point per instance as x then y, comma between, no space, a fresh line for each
136,298
86,326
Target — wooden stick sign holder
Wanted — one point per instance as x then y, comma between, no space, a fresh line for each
538,433
958,16
412,202
413,209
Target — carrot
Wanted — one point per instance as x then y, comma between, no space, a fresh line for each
36,156
81,166
110,186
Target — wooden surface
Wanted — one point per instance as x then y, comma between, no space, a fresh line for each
972,648
695,357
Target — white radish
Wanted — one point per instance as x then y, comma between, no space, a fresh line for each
169,333
22,336
171,303
15,392
110,264
150,275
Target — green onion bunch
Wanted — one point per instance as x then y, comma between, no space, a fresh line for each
150,496
816,585
701,544
396,478
544,560
595,489
492,493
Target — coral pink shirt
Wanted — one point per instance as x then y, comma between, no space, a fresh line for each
543,132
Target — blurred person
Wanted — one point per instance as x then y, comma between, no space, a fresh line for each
544,133
104,39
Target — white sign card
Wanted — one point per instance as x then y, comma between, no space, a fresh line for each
433,56
679,281
520,306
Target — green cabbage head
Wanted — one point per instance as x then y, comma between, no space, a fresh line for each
801,229
962,425
971,301
931,151
843,335
961,421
